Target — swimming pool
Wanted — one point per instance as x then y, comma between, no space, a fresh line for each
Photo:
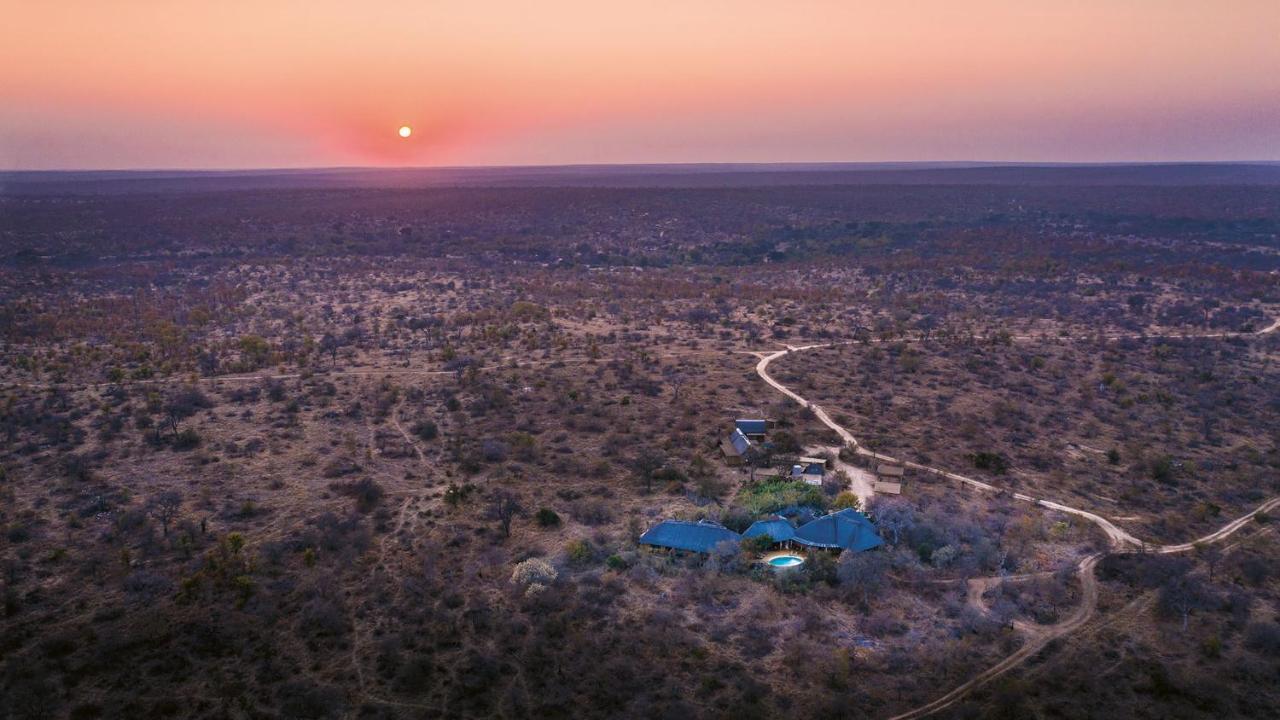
785,561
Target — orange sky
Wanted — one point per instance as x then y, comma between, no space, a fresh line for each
175,83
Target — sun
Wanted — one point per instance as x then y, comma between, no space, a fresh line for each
405,131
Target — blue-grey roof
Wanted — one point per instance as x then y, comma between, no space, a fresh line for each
740,441
847,529
750,427
809,469
699,536
776,528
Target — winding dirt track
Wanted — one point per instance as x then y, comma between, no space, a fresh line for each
1034,644
1119,538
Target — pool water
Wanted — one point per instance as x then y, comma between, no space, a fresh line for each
783,561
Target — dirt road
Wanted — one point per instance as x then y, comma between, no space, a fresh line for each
1034,644
1119,538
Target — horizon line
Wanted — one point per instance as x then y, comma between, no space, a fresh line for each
728,165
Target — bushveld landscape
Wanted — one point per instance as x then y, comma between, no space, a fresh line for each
367,445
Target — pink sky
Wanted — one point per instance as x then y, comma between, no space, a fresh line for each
241,84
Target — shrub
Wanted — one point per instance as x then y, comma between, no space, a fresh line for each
846,499
275,390
414,675
579,551
77,467
339,466
184,402
736,519
995,463
146,585
727,557
711,486
591,512
244,587
533,570
494,451
834,483
1161,469
455,494
670,474
943,556
366,492
322,616
1255,570
302,699
1211,647
187,439
771,496
1263,638
1142,570
785,443
547,518
426,430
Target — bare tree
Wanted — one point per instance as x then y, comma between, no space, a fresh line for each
171,419
182,404
1183,594
758,456
165,507
895,516
1211,554
329,344
645,465
1003,611
675,376
503,507
862,572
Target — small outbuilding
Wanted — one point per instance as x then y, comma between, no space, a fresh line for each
891,473
688,536
810,470
735,447
754,428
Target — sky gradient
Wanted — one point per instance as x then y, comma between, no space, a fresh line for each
106,84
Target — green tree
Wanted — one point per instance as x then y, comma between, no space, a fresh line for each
255,350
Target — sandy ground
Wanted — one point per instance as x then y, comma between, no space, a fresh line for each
861,482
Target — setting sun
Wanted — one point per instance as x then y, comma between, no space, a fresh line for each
405,131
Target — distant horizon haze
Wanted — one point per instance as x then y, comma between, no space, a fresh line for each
648,167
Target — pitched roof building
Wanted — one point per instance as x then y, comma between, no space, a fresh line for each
735,446
751,427
778,529
846,529
700,536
